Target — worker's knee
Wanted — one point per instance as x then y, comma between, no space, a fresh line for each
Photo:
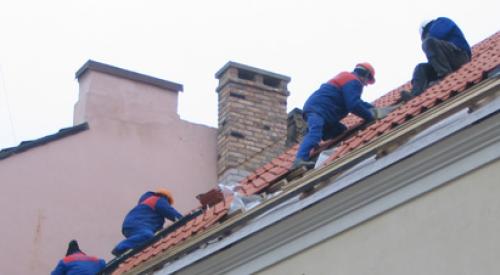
430,44
423,70
333,131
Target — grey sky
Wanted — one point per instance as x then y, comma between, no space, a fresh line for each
43,43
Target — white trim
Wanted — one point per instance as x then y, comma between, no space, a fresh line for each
336,211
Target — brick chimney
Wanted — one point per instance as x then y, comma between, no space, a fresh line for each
252,119
108,92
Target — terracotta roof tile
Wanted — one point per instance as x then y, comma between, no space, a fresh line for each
260,171
486,56
279,163
371,133
268,177
208,213
268,166
258,182
279,170
252,176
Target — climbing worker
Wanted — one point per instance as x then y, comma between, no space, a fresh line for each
77,262
446,50
332,102
146,218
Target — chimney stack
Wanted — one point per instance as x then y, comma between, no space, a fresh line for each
108,92
252,119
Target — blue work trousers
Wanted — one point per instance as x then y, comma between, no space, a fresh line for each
318,129
134,237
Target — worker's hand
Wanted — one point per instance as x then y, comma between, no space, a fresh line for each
380,113
375,113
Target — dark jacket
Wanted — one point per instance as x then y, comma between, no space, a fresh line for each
338,97
445,29
79,264
150,212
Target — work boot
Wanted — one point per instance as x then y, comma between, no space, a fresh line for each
405,96
117,253
298,162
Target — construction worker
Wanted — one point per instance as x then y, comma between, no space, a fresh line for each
77,262
446,50
332,102
146,218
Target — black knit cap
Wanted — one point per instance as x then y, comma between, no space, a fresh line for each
73,248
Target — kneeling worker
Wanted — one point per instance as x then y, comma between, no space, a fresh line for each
146,218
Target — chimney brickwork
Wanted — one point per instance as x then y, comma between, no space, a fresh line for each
297,127
252,119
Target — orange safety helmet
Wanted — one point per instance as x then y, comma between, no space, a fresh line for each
167,194
369,68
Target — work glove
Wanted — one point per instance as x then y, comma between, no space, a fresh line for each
380,113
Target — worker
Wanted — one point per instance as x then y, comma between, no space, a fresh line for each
77,262
334,99
146,218
446,50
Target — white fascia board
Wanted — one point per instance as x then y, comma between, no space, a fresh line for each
252,251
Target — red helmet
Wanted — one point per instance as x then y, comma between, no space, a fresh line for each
369,68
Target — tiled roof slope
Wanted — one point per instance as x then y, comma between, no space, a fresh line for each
486,56
30,144
199,224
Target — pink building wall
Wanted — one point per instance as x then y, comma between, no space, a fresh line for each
81,186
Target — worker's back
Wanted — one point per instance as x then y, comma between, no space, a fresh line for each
334,98
145,214
79,263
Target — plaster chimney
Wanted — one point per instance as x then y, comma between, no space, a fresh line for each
252,119
108,92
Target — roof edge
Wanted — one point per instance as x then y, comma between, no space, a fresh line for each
115,71
26,145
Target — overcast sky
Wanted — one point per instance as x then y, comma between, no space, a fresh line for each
43,43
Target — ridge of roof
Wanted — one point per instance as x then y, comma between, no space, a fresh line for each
486,57
30,144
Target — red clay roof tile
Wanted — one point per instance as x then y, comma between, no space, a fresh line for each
258,182
279,170
268,177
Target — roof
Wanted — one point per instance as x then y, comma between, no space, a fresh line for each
486,57
26,145
112,70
